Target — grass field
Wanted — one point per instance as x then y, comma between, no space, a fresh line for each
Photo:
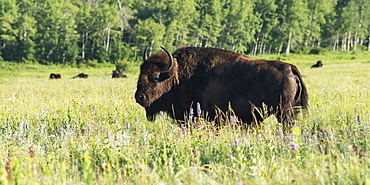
91,131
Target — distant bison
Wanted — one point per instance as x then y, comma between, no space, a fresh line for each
81,75
54,76
220,80
117,74
318,64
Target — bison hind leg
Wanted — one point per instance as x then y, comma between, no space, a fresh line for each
287,112
287,118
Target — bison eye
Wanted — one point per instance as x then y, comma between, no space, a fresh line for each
159,77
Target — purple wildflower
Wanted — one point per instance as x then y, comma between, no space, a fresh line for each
247,136
232,120
25,127
115,121
281,136
191,111
127,126
323,134
258,137
160,115
7,124
199,110
236,142
146,140
126,142
314,138
190,117
183,127
358,118
294,146
291,137
233,154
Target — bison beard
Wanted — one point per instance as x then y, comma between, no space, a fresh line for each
220,79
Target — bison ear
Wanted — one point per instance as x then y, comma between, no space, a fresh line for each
164,76
159,77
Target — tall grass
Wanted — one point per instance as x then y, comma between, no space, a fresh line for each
91,131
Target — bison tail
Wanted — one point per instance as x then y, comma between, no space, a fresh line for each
303,94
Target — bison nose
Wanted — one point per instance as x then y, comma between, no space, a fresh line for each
139,98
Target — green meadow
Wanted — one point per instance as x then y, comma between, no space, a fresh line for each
91,131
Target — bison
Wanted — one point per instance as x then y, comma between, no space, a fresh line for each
220,81
318,64
81,75
54,76
117,74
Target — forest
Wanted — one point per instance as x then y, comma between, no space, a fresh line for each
65,31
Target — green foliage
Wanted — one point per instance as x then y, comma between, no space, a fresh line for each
150,33
91,131
122,66
308,50
317,51
56,31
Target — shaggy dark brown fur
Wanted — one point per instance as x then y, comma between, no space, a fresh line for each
54,76
318,64
81,75
116,74
220,79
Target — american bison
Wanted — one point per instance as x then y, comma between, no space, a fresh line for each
219,80
54,76
81,75
318,64
117,74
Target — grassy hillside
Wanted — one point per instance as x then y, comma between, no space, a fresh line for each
91,131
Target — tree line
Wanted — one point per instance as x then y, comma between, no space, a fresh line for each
62,31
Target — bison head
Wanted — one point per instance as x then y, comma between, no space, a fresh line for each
158,74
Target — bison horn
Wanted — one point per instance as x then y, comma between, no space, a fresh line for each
145,57
170,63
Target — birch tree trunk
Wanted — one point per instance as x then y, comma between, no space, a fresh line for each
108,40
349,41
288,46
84,36
122,18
